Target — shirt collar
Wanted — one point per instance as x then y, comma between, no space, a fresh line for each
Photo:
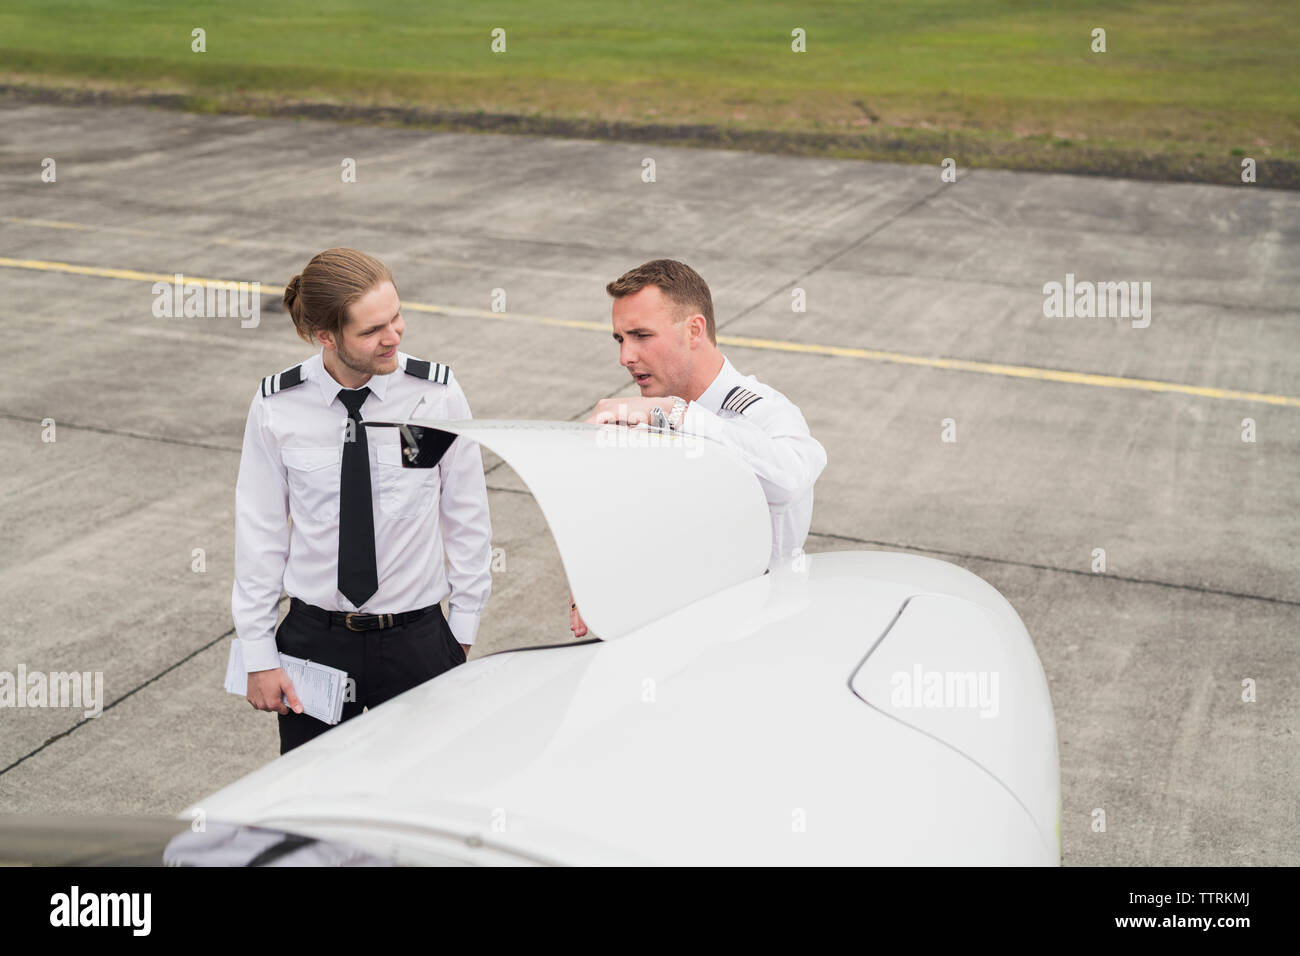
314,367
716,393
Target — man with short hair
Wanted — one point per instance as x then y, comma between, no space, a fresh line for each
663,323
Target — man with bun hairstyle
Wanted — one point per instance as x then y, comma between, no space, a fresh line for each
324,510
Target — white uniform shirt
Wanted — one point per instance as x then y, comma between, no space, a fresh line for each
770,435
432,531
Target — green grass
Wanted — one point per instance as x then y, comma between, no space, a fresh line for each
1012,83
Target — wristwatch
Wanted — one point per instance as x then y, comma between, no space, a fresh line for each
673,420
677,413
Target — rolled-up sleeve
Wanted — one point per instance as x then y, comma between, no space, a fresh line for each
261,543
780,450
466,527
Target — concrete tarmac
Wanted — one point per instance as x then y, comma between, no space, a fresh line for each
1147,659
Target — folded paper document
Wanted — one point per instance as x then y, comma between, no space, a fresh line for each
319,687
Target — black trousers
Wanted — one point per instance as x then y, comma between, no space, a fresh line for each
383,663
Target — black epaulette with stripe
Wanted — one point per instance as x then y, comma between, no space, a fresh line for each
433,371
273,384
739,399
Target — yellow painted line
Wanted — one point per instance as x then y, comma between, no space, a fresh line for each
68,267
1012,371
53,224
507,316
740,341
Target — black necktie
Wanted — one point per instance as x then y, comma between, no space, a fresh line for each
358,580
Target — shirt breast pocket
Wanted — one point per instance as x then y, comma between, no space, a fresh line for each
313,476
405,492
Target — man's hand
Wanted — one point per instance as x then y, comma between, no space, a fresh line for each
576,624
266,687
465,648
628,411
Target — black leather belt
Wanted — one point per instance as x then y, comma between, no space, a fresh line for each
355,621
